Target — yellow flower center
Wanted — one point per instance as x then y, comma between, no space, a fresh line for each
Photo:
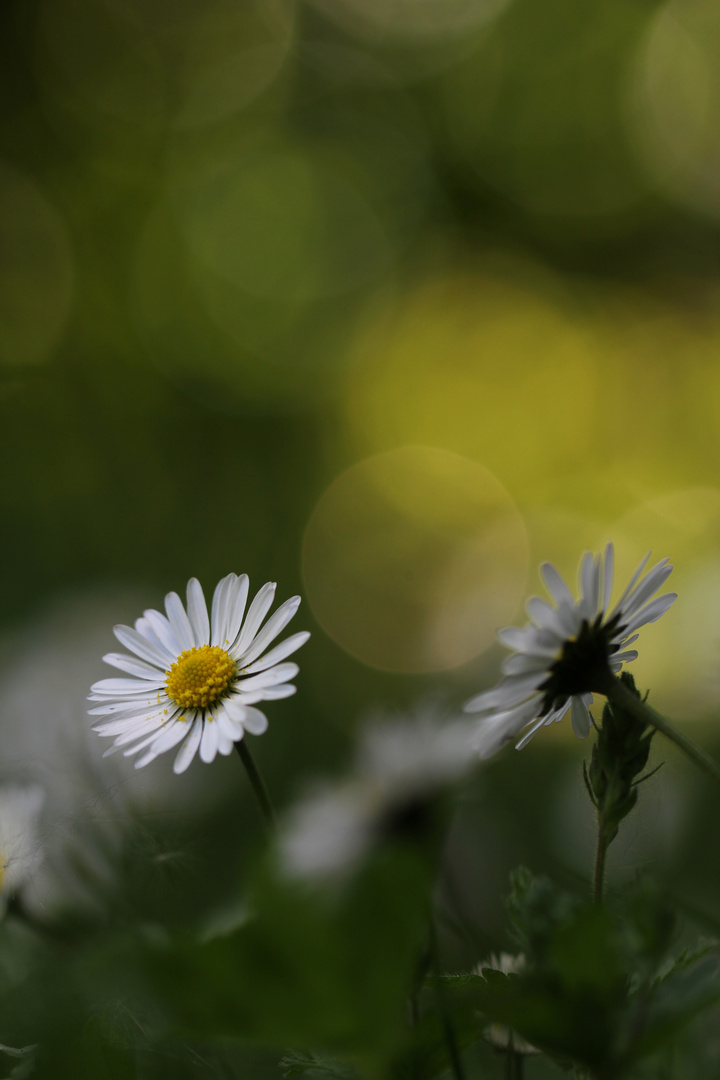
199,676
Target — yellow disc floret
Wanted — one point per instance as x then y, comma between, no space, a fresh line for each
199,676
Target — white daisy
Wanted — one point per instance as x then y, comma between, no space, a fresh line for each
19,847
567,650
401,764
196,678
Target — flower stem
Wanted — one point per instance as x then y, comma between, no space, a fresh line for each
621,696
513,1063
448,1031
258,786
600,853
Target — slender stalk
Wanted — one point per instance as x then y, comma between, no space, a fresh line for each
621,696
600,853
448,1030
514,1064
258,786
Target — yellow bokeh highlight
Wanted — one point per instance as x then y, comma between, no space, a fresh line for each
679,657
413,558
483,365
592,401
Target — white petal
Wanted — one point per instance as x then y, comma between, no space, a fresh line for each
189,748
257,612
623,642
529,734
144,628
516,637
126,687
130,705
173,734
506,693
218,617
555,584
237,598
651,612
225,745
126,724
229,729
608,570
279,673
524,663
561,621
179,621
143,648
236,709
141,737
197,612
530,639
493,731
589,585
580,717
270,693
654,580
255,721
285,648
550,718
618,659
274,626
133,666
631,585
209,741
163,632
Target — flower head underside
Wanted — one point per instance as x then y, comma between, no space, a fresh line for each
567,651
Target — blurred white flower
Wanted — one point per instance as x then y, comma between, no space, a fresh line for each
498,1034
567,651
20,851
195,679
400,764
93,804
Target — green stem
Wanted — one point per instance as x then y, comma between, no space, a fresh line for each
513,1062
448,1030
619,695
600,853
261,792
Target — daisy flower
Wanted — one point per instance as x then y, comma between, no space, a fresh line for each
196,678
400,765
568,649
19,849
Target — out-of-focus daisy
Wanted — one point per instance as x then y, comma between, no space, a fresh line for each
20,849
197,677
400,765
568,650
504,1038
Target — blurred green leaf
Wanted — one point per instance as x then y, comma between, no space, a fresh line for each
330,971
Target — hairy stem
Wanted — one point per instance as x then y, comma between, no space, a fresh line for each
600,853
621,696
448,1030
258,786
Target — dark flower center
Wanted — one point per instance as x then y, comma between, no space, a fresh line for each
583,665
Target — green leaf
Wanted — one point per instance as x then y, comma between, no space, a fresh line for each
331,971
